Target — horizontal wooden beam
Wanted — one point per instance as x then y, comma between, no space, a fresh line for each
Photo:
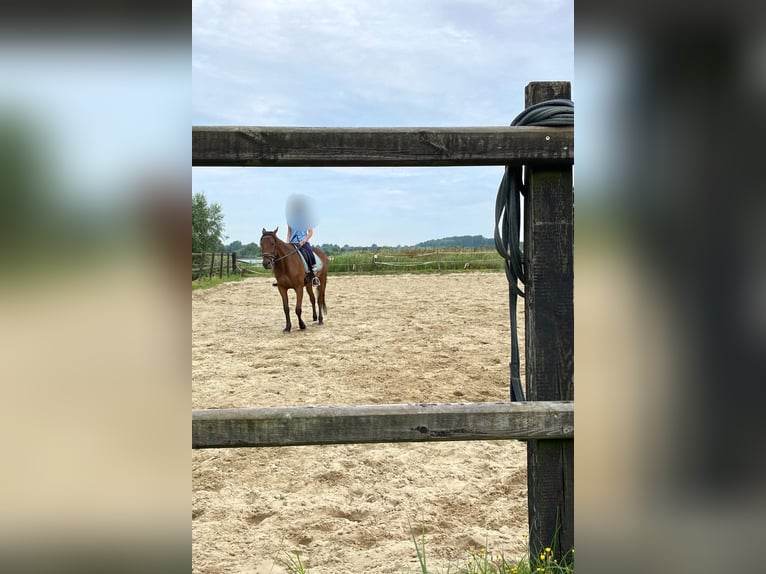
349,147
293,426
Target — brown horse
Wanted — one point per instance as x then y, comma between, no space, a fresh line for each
288,268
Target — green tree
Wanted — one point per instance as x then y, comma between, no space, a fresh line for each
207,225
233,246
330,248
249,250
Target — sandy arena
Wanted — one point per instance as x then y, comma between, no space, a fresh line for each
350,508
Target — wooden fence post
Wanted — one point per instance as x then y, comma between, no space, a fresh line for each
220,266
212,265
201,270
549,316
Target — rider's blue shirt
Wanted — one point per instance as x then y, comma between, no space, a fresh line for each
298,235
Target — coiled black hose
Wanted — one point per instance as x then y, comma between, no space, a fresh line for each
551,113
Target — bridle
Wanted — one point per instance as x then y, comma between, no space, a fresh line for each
272,256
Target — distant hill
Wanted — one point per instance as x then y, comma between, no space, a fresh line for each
459,241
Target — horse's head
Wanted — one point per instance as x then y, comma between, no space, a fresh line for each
269,247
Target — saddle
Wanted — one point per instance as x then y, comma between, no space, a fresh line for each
306,263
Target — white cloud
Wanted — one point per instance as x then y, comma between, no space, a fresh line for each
444,60
383,63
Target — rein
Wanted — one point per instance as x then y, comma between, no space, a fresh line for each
274,258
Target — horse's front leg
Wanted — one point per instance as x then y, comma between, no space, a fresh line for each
298,302
286,306
310,291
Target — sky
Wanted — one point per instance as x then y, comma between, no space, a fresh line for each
390,63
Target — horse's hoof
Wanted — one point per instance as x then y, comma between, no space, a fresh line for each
302,326
286,330
321,321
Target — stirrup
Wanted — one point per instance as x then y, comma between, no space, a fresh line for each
315,281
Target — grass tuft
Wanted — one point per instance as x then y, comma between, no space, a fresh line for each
479,561
420,549
294,564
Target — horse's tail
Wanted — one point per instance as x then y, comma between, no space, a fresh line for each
320,295
323,286
320,299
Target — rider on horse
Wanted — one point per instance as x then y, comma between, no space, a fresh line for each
300,237
299,231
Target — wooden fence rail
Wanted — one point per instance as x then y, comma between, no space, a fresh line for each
305,147
293,426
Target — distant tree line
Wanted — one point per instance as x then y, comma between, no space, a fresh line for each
243,251
471,241
455,242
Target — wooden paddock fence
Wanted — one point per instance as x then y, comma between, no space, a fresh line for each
546,421
206,265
